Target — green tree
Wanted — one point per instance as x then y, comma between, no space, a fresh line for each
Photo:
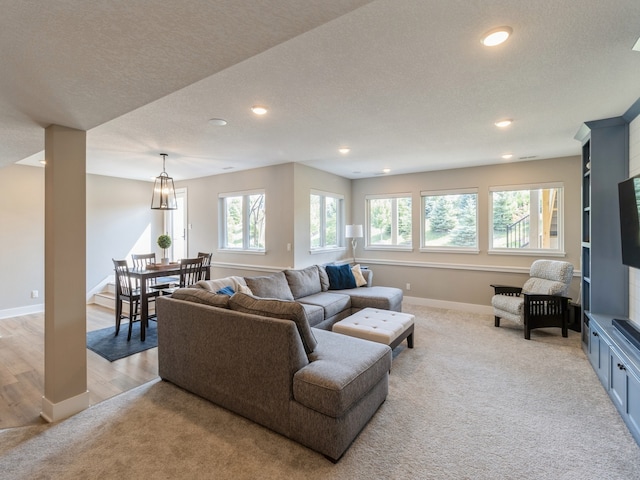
464,234
442,216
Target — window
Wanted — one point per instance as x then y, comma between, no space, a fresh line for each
450,220
242,221
527,219
389,221
326,220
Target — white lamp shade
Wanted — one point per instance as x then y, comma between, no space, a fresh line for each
353,231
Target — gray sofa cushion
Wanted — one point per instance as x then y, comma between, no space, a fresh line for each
199,295
385,298
284,309
332,303
304,282
270,286
315,313
341,371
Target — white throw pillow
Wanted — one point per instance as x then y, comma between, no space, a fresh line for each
357,273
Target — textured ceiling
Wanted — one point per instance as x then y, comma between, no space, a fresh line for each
406,84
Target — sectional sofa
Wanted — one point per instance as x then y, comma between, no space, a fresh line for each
274,360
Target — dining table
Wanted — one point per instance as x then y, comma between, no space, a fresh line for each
143,276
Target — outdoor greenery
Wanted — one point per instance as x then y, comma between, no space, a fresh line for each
450,220
390,221
249,209
324,220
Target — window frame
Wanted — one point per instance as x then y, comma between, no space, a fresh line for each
547,252
340,222
441,248
394,222
246,224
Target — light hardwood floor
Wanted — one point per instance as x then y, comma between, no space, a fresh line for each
22,367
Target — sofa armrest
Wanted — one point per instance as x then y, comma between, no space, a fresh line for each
507,290
368,276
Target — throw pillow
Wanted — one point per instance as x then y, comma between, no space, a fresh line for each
200,295
357,274
304,282
283,309
270,286
324,278
340,277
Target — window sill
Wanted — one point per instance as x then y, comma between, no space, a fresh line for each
394,248
244,252
317,251
527,252
466,250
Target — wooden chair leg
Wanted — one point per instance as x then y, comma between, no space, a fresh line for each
118,315
497,321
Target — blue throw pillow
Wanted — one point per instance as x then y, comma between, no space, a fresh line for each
340,277
226,291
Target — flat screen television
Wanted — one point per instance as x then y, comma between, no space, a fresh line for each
629,198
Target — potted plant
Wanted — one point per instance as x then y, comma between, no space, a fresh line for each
164,242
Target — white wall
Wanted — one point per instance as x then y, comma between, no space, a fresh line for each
119,222
634,169
21,238
458,277
287,188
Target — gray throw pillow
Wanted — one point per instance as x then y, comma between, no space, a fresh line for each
270,286
304,282
283,309
324,278
199,295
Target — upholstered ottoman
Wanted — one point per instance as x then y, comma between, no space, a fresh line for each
382,326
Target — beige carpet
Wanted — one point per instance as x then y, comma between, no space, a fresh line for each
470,401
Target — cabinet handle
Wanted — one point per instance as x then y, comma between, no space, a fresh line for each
595,334
621,366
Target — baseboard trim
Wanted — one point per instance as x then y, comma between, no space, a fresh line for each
52,412
19,311
465,307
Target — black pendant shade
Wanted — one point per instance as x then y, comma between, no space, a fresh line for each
164,192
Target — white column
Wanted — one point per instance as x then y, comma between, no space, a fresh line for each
65,355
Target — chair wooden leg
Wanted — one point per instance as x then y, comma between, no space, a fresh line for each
527,333
133,313
118,315
497,321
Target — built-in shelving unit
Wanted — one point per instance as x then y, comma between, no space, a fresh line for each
605,289
605,158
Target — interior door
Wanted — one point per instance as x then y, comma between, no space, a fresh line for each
177,226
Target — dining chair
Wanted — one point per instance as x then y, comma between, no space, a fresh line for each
190,272
141,261
125,291
206,264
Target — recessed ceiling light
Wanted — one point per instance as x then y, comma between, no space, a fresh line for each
503,123
217,122
496,36
386,170
259,109
344,150
507,156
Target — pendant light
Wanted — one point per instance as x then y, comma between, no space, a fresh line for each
164,193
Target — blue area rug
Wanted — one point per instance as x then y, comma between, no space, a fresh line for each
107,345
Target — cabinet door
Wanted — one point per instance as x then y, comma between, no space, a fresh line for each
599,356
618,382
633,404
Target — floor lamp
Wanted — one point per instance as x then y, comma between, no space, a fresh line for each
354,232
